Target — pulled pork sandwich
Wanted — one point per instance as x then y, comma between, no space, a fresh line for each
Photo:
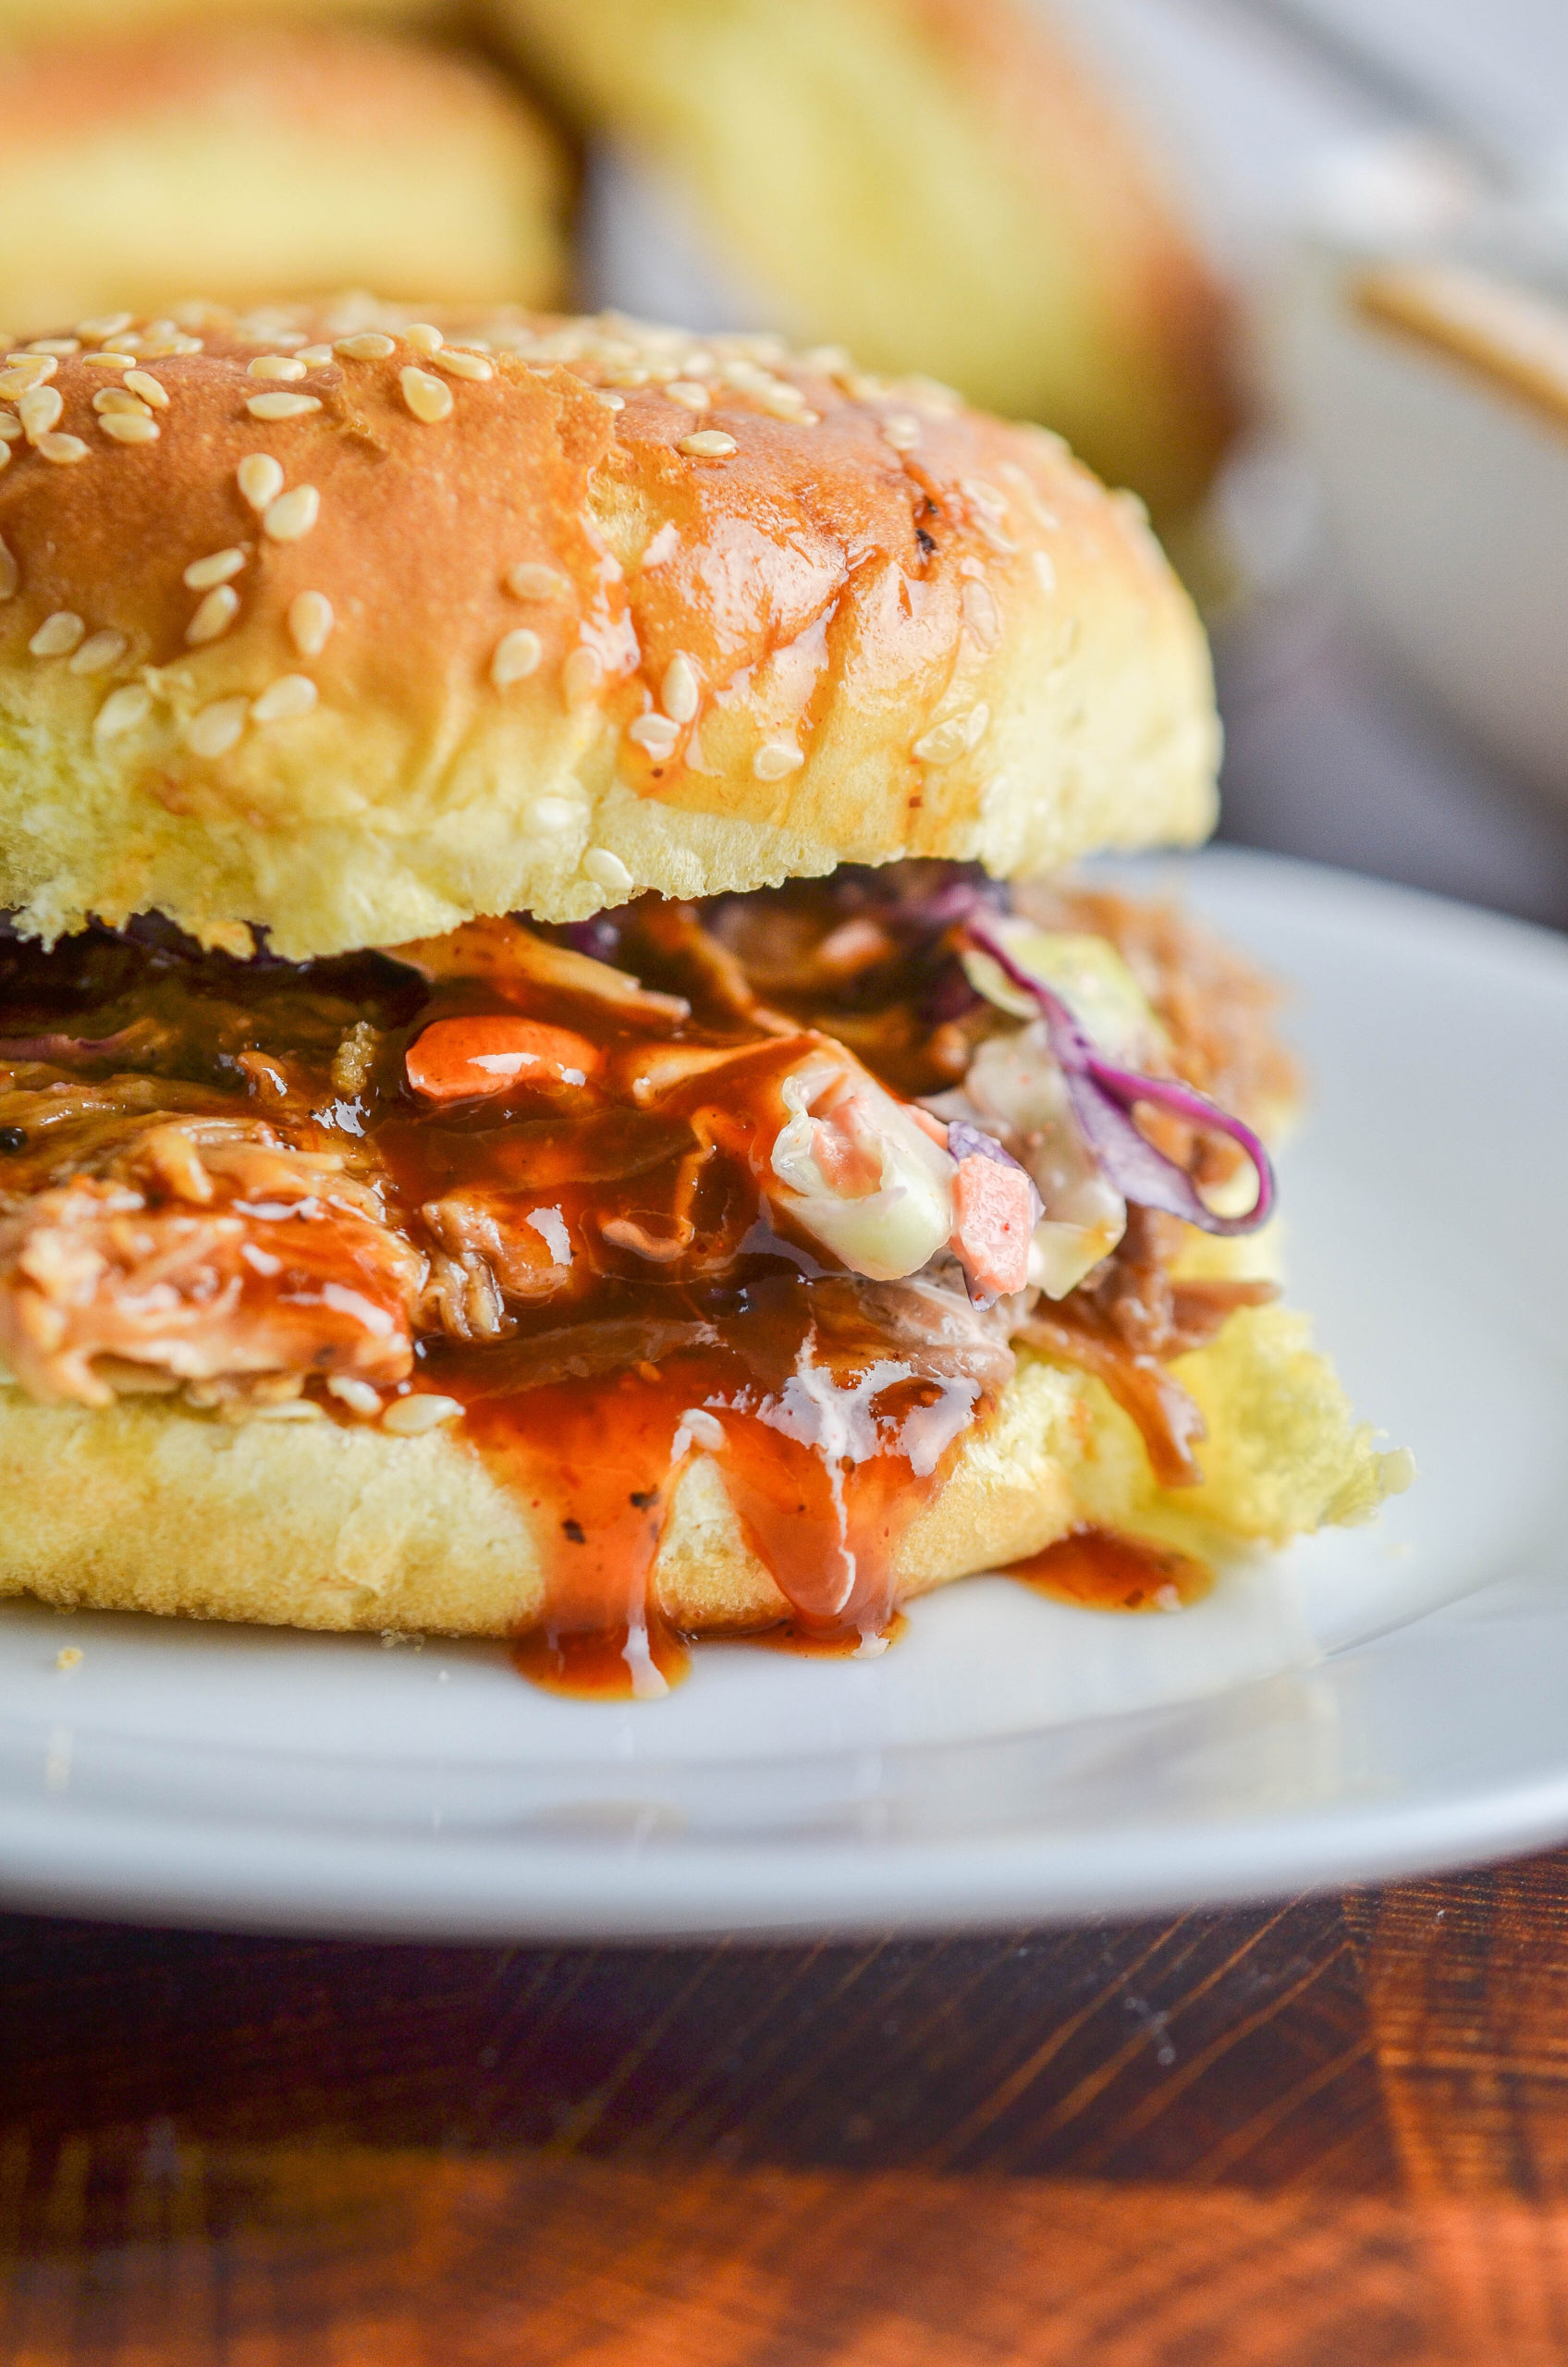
524,1104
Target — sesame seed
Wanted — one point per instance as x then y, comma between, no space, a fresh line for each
105,325
11,573
291,516
990,532
10,427
152,390
775,758
655,733
902,430
423,337
214,616
979,613
607,871
58,345
283,701
785,401
64,450
109,360
276,365
4,455
531,580
315,355
282,406
946,743
409,1417
580,675
369,345
984,496
57,635
708,444
517,655
39,410
688,394
219,567
261,479
554,816
463,366
358,1395
136,426
426,395
679,693
215,729
98,653
1045,568
116,398
122,711
310,623
611,402
25,371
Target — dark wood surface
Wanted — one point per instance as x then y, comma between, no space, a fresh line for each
1334,2131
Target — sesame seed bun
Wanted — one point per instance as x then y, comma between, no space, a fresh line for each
934,181
350,629
150,1506
241,159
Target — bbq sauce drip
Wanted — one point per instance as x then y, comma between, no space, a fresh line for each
822,1432
651,1309
1099,1569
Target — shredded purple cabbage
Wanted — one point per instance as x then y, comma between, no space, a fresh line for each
1102,1097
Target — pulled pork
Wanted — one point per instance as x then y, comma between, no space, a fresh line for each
214,1175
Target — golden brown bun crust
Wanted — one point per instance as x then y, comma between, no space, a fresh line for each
148,1507
30,20
937,183
242,159
906,629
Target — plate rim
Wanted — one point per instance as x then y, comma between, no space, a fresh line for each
56,1857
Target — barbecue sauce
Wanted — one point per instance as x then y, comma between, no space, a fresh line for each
1099,1569
653,1308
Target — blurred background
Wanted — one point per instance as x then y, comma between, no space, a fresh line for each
1294,270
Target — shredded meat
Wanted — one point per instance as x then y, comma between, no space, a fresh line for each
214,1176
259,1260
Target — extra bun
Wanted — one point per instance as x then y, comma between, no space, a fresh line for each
242,159
547,614
935,182
147,1506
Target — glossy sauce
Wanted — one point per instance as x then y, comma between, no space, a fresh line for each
1099,1569
657,1311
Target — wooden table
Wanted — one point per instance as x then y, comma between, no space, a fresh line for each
1316,2135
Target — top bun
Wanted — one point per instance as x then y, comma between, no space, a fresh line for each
350,626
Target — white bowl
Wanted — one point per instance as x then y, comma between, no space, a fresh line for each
1444,478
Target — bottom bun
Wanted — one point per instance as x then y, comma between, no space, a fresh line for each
151,1506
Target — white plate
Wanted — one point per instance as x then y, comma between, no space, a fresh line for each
1371,1702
